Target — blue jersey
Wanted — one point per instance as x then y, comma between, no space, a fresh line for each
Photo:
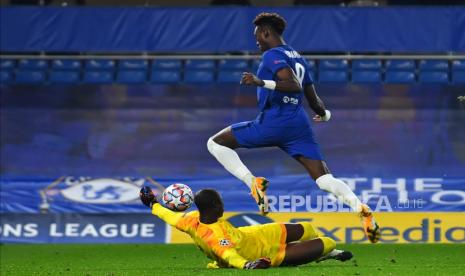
282,108
283,121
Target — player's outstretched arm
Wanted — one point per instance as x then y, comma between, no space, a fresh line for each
287,81
316,104
148,198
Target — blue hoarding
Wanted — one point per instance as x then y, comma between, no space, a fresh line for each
82,228
89,148
380,29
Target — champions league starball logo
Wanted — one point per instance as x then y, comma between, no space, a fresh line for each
89,190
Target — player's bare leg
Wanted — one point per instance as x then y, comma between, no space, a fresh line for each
222,146
304,231
299,253
325,180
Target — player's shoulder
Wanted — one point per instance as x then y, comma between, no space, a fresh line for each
274,57
219,227
192,214
283,52
190,219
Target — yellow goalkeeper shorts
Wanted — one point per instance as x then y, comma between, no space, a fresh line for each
273,235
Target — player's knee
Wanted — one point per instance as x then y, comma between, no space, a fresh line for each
328,245
309,232
325,182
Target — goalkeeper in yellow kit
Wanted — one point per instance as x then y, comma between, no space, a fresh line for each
249,247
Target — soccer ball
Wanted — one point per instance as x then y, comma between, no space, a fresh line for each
178,197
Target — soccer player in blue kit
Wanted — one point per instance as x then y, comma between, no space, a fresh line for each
282,80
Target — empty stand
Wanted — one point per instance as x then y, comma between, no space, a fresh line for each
140,71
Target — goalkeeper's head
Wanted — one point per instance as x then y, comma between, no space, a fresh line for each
209,203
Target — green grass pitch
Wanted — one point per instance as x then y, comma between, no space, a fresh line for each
148,259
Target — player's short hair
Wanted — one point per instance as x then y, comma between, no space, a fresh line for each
273,20
207,199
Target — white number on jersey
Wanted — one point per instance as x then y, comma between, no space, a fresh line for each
300,72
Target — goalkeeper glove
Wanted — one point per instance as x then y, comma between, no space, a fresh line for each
147,196
258,264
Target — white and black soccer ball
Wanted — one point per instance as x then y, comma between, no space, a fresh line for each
177,197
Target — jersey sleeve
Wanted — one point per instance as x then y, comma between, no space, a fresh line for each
274,61
224,249
182,221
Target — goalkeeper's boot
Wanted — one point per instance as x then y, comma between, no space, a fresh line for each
335,254
258,191
371,228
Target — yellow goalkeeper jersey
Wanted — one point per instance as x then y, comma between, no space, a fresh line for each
227,245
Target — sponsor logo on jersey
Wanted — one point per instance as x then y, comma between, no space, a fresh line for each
290,100
225,242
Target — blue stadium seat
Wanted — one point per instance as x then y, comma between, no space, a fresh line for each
458,77
6,77
255,65
133,64
98,77
333,64
434,77
198,76
313,75
333,76
30,76
100,64
366,76
229,76
66,64
64,77
400,65
165,76
399,77
433,65
131,76
200,64
170,64
458,65
7,64
33,64
366,64
234,64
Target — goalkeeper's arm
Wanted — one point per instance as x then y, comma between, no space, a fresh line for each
148,199
170,217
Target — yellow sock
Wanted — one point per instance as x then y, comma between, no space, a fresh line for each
309,232
328,245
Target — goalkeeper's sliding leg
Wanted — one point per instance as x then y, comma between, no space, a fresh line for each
305,244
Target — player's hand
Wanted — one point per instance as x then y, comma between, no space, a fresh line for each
261,263
251,79
147,196
318,118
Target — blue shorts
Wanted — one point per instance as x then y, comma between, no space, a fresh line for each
295,141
